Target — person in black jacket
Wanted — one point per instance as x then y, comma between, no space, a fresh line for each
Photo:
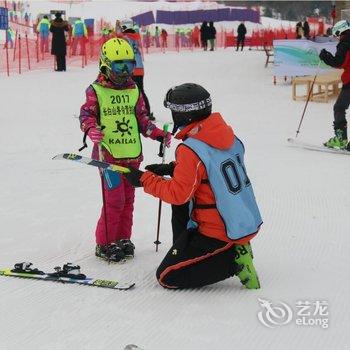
306,29
204,35
211,35
241,32
341,60
58,28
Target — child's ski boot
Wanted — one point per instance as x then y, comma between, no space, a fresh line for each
247,275
127,247
110,252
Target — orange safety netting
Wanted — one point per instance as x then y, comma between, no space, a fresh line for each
28,52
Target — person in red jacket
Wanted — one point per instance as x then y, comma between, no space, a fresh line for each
341,60
215,214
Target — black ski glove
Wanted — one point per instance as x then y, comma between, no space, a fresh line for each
161,169
134,176
324,54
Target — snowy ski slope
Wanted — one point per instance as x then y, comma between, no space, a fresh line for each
48,212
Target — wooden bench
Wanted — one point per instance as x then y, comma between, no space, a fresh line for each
325,86
269,53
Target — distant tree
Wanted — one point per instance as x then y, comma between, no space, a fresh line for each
268,11
288,10
291,15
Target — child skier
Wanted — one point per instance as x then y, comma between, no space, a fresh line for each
212,240
113,117
341,60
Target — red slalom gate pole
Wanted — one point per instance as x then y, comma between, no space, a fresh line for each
86,42
37,47
15,47
81,47
28,57
19,55
7,58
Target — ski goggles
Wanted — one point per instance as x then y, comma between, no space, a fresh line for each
123,66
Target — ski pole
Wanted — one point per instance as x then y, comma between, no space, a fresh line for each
100,156
161,154
308,98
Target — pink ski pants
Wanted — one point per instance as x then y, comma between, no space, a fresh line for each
119,212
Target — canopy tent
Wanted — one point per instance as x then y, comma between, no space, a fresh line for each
223,14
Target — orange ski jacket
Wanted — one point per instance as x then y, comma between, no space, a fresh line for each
190,179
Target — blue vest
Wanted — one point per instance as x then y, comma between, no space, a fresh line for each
234,196
44,29
138,58
79,29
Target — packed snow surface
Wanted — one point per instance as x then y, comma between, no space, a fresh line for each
49,209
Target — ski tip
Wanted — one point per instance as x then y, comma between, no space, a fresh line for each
57,156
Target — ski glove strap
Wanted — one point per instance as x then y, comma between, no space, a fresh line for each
84,140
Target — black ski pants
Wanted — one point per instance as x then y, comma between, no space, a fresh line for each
61,62
340,107
194,260
240,42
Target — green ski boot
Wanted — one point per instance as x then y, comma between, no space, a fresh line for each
339,141
247,275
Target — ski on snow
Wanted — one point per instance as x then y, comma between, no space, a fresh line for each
317,148
89,161
23,270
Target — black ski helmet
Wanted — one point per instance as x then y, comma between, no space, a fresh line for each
188,102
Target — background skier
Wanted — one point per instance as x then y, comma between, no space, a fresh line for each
43,29
58,28
211,35
204,35
341,60
138,74
241,32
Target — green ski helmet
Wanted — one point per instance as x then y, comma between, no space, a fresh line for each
117,59
340,27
